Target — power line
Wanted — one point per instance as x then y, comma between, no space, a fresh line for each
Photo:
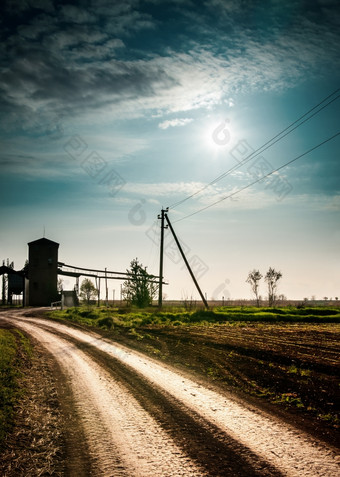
260,179
282,134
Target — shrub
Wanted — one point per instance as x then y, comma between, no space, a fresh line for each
88,314
318,311
204,315
106,322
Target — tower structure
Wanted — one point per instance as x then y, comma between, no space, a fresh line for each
42,272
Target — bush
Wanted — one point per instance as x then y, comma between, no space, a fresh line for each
205,315
318,311
88,314
106,322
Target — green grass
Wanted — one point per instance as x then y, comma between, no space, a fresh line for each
110,319
14,349
289,398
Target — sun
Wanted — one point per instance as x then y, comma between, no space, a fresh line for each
217,135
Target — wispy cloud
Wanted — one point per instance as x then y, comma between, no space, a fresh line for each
66,63
161,189
201,195
174,122
60,64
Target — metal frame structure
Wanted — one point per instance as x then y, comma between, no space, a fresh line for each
97,274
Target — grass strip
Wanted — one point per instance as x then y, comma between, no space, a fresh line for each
14,350
108,318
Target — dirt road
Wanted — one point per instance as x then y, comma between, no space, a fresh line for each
136,417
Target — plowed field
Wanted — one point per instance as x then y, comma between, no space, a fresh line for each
293,366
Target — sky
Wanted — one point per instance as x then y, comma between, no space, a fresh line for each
111,111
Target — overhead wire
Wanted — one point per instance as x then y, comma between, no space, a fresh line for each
282,134
259,179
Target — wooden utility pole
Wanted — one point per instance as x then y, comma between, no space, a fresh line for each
160,279
186,261
98,291
4,284
106,289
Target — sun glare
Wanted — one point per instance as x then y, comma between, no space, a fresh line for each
217,135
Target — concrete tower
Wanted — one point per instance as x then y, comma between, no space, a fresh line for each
42,272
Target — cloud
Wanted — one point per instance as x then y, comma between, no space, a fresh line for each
13,7
163,188
39,82
83,61
168,193
176,191
257,197
174,123
73,14
36,166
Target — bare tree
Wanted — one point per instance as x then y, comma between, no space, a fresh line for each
272,277
253,279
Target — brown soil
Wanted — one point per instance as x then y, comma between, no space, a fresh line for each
291,369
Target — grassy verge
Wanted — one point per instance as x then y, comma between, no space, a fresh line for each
109,318
15,349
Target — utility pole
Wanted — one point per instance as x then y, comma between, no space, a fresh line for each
3,286
160,280
106,290
186,261
98,291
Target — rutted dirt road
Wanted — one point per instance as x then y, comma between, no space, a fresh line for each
137,417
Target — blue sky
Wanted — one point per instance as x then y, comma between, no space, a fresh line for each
110,111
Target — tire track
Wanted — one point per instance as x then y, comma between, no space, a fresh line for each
123,439
290,451
203,442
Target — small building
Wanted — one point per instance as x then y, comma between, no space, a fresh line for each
42,272
69,298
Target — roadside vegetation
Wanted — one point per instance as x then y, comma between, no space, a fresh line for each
15,352
106,317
